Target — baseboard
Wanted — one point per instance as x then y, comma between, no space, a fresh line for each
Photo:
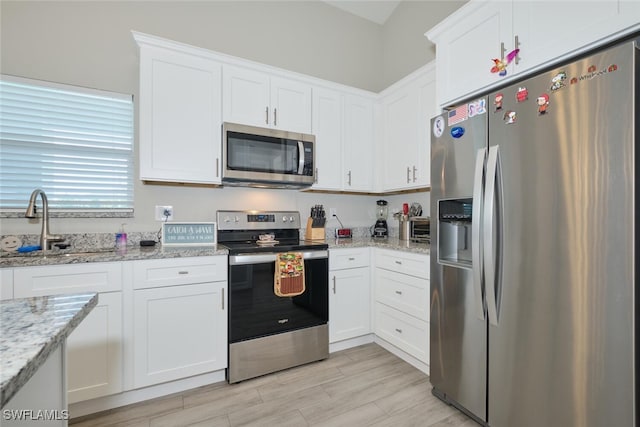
100,404
402,355
352,342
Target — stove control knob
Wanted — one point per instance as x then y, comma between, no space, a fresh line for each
284,219
237,219
290,219
227,219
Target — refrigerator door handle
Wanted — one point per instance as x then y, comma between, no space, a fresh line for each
489,252
476,249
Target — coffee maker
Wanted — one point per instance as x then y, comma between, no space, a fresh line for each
380,228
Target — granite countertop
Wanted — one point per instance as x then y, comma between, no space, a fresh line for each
85,255
392,243
30,329
71,256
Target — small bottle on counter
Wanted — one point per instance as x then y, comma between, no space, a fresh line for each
121,239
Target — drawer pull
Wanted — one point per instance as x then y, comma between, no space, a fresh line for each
183,272
334,284
399,292
399,262
399,330
351,259
222,293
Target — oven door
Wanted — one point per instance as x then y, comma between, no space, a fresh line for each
256,311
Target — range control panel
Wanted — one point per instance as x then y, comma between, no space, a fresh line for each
257,220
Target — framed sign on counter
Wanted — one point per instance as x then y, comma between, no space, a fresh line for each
189,234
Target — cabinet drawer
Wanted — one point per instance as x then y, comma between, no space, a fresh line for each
405,332
179,271
406,293
403,262
340,259
64,279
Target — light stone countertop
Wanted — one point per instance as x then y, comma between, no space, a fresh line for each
30,329
392,243
132,253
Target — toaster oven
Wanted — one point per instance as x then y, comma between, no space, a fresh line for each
419,229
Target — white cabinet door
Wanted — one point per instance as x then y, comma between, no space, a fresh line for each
291,105
551,29
327,128
401,138
349,304
94,351
260,99
246,97
180,117
426,87
179,331
358,144
466,45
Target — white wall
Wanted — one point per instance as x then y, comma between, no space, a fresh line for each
88,43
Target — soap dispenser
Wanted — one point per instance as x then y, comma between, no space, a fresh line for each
121,239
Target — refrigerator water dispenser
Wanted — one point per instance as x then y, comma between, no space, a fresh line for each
454,232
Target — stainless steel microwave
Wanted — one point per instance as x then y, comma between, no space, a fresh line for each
261,157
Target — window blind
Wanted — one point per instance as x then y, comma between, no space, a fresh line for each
74,143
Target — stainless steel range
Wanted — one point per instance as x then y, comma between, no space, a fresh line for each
268,333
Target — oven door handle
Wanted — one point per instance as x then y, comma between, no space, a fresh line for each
261,258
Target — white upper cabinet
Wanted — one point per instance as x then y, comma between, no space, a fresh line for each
259,99
544,31
407,110
466,42
358,144
327,128
180,116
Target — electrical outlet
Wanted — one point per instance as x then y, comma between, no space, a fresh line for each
164,213
332,212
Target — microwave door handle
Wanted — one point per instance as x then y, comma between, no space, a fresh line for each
300,157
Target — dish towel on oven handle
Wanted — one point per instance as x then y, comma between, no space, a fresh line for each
289,275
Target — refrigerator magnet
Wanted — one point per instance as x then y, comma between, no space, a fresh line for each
438,126
543,103
497,101
509,117
522,94
557,82
457,132
477,107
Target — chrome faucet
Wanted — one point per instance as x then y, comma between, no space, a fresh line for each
46,239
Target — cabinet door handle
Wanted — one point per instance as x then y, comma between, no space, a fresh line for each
275,117
349,175
399,330
517,46
414,173
316,179
334,284
266,113
399,292
222,298
503,50
408,173
217,167
351,259
398,262
183,272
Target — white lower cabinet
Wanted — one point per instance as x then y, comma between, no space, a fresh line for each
94,351
401,311
179,324
94,348
349,294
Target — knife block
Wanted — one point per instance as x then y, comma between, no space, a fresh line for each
314,233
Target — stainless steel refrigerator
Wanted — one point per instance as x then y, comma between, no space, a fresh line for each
534,248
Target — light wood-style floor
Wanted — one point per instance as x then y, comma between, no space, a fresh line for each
361,386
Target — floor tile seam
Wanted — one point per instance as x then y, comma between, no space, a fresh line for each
329,420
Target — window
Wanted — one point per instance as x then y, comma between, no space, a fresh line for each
74,143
